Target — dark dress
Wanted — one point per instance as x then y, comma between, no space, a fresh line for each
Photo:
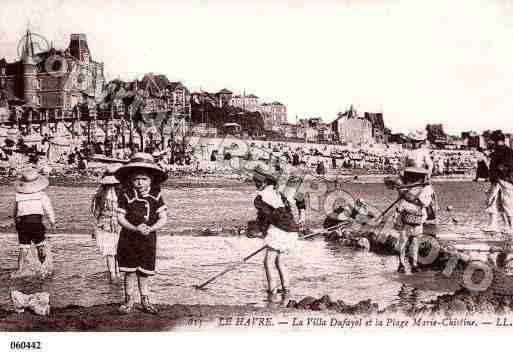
501,165
482,169
281,217
137,252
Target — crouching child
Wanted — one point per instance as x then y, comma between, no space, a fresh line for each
345,217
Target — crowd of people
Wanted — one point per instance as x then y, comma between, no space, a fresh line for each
195,159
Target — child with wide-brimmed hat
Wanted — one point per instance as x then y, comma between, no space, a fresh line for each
31,204
104,208
141,212
416,195
277,224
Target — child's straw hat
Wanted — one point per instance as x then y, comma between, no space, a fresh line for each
141,162
261,173
417,170
30,181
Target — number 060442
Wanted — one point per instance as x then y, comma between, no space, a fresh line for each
15,345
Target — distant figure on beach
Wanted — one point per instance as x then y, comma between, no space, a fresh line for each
276,222
295,159
141,212
30,205
500,194
104,208
321,169
482,166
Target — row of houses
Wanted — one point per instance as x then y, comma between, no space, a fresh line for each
347,127
273,113
51,84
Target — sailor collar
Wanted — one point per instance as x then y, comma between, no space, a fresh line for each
133,195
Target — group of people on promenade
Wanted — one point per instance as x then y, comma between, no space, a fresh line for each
200,158
129,209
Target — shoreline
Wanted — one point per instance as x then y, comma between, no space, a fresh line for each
230,181
460,309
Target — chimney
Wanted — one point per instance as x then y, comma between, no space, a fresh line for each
78,47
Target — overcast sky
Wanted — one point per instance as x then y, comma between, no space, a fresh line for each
436,61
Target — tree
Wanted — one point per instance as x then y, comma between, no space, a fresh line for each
435,132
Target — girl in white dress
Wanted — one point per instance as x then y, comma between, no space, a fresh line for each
104,206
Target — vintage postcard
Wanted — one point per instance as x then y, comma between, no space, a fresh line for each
255,166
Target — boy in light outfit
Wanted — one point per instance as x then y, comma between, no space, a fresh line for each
31,204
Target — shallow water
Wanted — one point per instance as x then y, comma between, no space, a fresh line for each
315,269
195,208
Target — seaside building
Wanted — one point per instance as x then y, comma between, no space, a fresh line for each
224,98
308,129
473,140
247,103
324,132
203,130
274,114
54,80
160,94
349,127
379,131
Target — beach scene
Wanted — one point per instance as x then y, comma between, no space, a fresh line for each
220,174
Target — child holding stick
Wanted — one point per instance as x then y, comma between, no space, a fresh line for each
276,222
416,195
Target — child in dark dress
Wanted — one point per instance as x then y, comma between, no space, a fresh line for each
277,223
141,212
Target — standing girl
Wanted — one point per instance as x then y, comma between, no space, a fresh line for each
276,222
141,212
104,208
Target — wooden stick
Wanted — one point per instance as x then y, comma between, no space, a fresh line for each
230,268
388,209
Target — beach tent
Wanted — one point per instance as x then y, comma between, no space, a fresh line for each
58,147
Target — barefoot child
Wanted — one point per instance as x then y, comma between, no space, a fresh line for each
104,206
412,213
141,212
276,222
30,205
500,195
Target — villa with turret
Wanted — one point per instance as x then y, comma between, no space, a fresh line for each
53,80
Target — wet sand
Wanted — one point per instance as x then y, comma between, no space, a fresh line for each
462,309
107,318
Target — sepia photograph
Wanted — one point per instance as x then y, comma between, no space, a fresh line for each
284,166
